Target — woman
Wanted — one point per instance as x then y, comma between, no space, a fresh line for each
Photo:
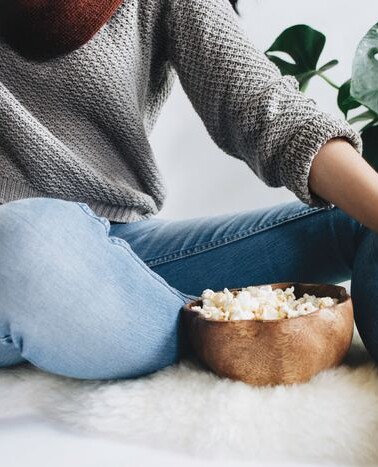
92,284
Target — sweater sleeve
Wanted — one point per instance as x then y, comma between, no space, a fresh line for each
251,111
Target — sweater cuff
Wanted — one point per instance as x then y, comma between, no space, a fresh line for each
296,162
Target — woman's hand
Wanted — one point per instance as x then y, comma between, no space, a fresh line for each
341,175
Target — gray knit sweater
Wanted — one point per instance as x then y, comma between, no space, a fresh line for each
77,127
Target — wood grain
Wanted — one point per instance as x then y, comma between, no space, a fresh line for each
272,352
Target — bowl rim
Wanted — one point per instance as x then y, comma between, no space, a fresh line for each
347,297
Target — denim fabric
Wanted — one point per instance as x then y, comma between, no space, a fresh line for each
86,298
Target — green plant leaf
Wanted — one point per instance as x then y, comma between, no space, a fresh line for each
370,145
364,87
344,100
328,66
370,124
367,115
304,45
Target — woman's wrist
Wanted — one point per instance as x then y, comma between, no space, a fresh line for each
342,176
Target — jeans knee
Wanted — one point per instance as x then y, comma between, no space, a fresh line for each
75,304
38,213
49,218
30,230
40,250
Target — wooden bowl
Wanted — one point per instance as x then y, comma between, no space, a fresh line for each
271,352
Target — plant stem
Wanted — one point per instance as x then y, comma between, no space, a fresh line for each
328,81
368,115
369,125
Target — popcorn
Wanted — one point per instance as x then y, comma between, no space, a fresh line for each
259,303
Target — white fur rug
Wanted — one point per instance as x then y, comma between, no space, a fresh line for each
333,418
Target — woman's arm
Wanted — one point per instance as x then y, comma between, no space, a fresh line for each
340,175
250,110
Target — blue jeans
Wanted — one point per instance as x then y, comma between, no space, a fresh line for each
90,299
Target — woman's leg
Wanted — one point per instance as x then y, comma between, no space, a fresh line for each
76,302
364,290
286,242
93,304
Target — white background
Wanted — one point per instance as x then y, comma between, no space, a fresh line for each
185,154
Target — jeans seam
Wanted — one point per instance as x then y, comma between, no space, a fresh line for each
226,240
123,244
102,220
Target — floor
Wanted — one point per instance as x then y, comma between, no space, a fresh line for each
34,441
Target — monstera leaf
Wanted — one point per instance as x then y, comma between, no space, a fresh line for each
364,87
344,99
304,45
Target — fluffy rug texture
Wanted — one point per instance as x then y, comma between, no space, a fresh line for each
333,418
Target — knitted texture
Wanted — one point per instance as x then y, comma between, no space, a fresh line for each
40,29
76,127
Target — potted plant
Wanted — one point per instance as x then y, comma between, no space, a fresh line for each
304,45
